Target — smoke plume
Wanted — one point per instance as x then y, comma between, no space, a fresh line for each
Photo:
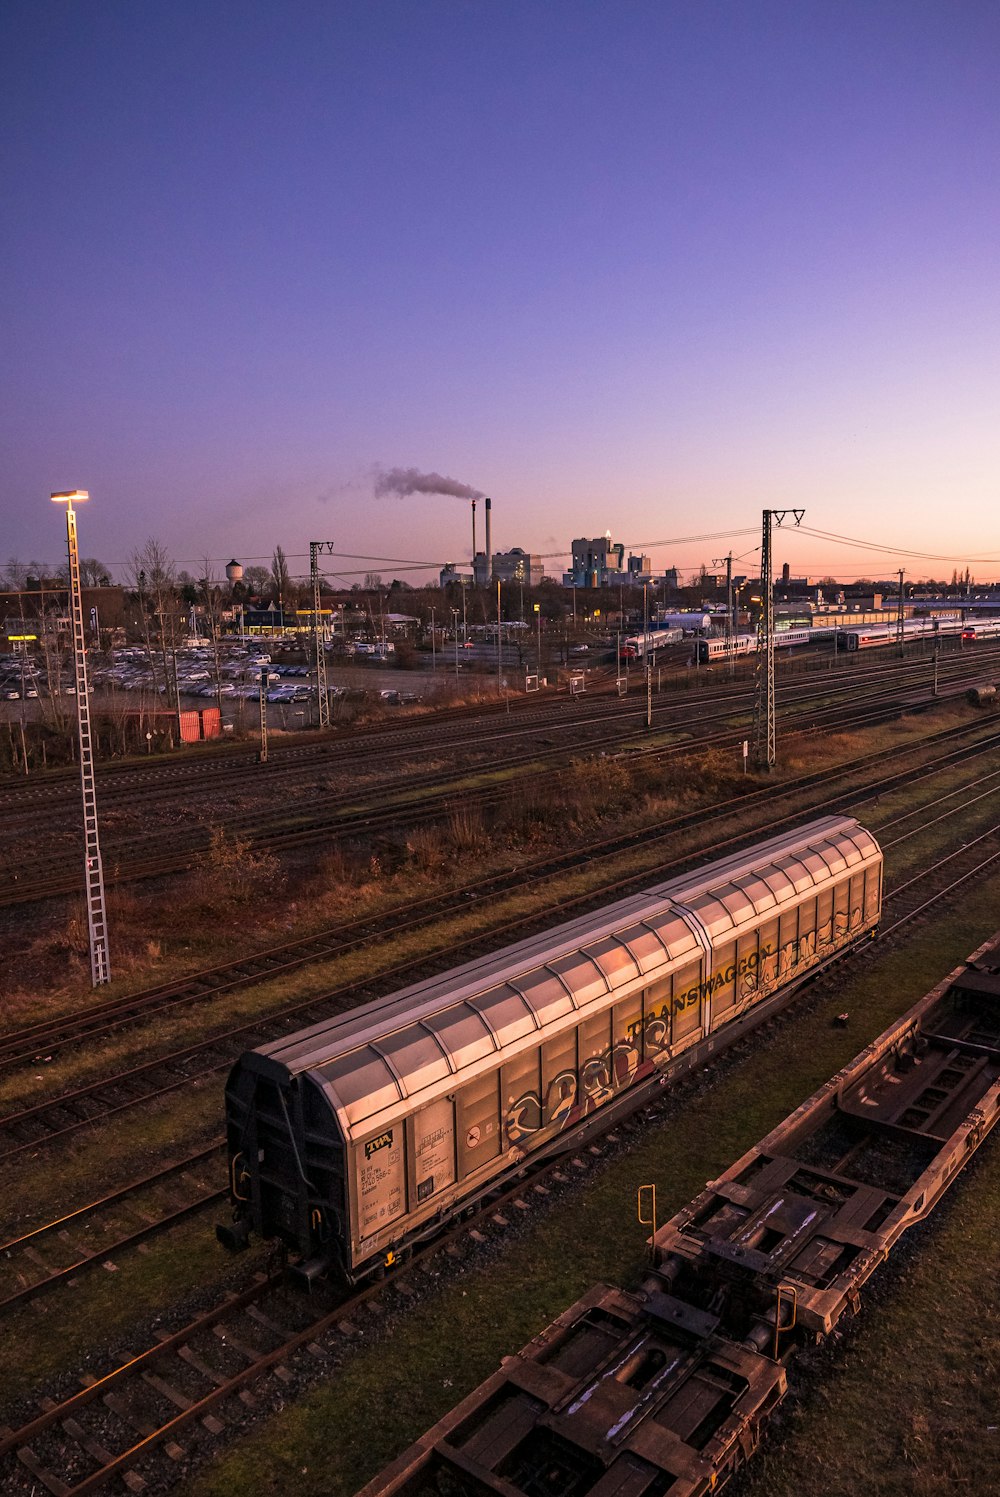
403,481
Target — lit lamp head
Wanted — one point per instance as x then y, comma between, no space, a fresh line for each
70,498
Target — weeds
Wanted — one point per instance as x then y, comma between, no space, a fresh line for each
232,873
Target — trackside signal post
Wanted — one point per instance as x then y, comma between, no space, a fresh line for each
100,966
763,733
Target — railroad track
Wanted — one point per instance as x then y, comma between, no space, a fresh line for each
131,1416
184,1377
61,1117
459,733
47,876
40,1260
455,733
36,1043
37,1261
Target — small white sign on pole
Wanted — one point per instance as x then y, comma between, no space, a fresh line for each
746,754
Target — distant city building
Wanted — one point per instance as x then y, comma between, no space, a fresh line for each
514,565
271,618
452,573
671,579
596,563
640,569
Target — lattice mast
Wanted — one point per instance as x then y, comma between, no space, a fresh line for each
763,734
730,633
316,548
100,965
262,694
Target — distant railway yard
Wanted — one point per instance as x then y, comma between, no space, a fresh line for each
159,818
623,960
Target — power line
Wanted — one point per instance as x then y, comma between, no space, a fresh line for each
858,544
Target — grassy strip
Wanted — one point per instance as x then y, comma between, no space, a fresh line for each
456,1335
201,923
908,1402
73,1067
52,1181
105,1306
41,1185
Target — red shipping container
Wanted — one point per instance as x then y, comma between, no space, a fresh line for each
190,727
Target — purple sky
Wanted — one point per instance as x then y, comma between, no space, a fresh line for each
639,267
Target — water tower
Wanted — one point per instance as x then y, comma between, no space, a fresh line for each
234,571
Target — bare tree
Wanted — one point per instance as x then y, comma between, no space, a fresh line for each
16,573
280,576
94,573
211,597
256,579
151,572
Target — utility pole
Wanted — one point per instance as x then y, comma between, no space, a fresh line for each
648,659
900,633
730,644
263,714
100,966
499,646
316,548
433,647
763,731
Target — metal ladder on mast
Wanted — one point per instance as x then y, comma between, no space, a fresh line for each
100,968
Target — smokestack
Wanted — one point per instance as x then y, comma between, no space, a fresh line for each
473,540
489,544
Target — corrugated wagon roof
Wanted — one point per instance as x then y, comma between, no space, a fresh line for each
400,1046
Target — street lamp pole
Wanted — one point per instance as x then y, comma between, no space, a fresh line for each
100,966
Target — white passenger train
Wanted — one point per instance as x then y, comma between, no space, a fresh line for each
354,1138
875,636
710,650
981,629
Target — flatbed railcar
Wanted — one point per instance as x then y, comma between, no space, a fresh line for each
665,1392
357,1137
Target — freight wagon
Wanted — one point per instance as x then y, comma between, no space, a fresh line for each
354,1138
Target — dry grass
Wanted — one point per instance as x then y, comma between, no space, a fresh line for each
345,882
158,937
920,1393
